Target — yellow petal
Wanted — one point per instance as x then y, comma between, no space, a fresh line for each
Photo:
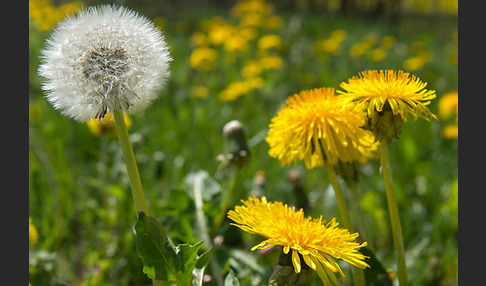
296,261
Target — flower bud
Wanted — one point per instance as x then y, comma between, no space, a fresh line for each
237,151
384,124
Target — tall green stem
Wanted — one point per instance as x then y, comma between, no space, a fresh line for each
229,195
357,273
201,219
394,215
360,225
132,170
130,163
339,197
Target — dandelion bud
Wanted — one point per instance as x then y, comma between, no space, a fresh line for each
385,124
237,151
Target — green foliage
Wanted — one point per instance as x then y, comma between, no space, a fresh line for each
162,260
79,196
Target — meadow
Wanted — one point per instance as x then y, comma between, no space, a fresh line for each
235,62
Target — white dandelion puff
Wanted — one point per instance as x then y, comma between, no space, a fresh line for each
103,59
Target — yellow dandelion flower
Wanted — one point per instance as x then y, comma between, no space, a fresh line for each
200,91
234,91
414,63
271,62
106,125
359,49
451,131
33,234
317,127
235,43
317,241
203,59
381,91
378,54
449,104
199,39
254,82
251,69
249,33
330,46
268,42
387,42
338,35
219,33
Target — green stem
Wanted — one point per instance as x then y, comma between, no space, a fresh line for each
130,163
394,215
361,226
339,197
358,273
229,195
201,219
132,170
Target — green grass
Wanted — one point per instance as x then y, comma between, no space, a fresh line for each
79,196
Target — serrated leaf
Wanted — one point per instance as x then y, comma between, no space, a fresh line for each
161,259
202,262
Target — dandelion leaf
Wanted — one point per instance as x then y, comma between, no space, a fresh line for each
202,262
162,260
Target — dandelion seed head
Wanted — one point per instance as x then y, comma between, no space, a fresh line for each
104,58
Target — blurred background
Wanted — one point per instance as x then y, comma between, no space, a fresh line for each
241,60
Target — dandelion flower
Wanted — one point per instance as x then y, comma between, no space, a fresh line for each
106,125
33,234
381,91
449,105
105,58
271,41
203,58
316,126
317,241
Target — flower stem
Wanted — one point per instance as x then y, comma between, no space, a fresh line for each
130,163
360,226
229,195
201,219
358,274
339,197
394,215
132,170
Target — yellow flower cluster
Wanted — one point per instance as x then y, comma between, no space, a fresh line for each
249,38
322,128
44,15
332,45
